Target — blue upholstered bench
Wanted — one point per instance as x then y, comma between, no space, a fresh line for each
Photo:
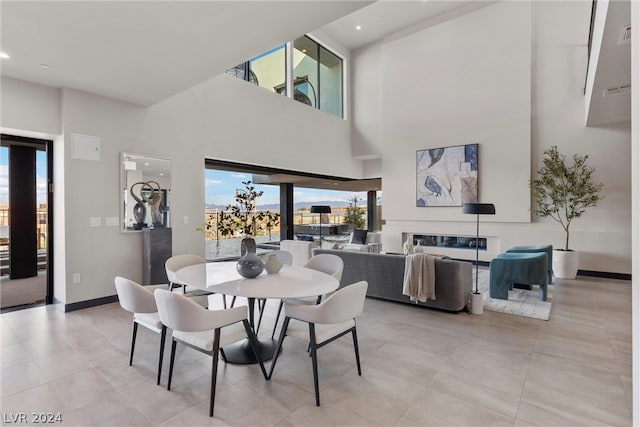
548,249
509,268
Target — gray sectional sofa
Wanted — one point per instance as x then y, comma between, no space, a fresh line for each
385,275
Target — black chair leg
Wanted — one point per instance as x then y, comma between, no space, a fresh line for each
224,356
163,335
276,352
314,361
277,318
355,348
233,301
173,357
133,342
214,369
224,301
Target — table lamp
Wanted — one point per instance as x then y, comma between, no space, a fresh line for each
321,209
477,209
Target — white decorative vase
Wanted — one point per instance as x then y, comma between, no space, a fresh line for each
476,303
565,264
272,264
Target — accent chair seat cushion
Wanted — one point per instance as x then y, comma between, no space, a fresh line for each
548,249
149,320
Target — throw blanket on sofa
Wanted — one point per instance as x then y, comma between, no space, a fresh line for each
420,277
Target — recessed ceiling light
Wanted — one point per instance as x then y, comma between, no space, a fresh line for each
358,27
304,50
45,66
146,163
4,55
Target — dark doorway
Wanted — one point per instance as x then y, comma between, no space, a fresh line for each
25,222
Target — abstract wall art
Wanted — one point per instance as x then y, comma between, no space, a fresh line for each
447,176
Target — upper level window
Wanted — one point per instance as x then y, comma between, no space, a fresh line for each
317,74
269,69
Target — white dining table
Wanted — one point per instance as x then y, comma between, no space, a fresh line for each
290,282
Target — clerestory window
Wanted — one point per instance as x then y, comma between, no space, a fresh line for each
317,74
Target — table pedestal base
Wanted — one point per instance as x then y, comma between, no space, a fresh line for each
240,352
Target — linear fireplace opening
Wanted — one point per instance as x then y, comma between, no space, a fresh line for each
454,242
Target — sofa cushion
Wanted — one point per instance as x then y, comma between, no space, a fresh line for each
304,237
359,236
385,275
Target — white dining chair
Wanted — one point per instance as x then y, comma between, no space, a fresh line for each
285,258
175,263
327,321
140,301
326,263
201,329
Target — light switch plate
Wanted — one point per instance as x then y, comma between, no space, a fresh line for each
111,221
95,222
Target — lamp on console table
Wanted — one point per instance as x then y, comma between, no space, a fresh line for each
477,209
321,209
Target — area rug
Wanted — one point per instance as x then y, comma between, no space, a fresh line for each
521,302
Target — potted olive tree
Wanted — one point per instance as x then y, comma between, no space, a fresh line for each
354,215
563,192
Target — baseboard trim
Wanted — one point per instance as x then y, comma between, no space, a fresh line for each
587,273
604,274
90,303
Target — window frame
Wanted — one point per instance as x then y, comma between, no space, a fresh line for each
289,84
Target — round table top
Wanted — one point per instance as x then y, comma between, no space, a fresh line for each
289,282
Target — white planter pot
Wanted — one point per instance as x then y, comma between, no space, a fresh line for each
565,264
476,303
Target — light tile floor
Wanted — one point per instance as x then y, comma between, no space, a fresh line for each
420,367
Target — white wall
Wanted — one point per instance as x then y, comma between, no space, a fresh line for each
29,106
367,102
223,118
635,159
509,77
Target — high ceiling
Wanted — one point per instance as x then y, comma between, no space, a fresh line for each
145,51
384,18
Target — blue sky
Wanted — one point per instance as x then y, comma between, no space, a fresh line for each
220,186
41,176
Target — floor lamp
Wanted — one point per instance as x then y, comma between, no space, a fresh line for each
321,209
477,209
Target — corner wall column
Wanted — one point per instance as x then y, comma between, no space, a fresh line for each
371,210
286,211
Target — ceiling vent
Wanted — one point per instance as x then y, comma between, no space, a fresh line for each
625,35
617,90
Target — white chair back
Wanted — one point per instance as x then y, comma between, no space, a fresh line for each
344,304
182,314
175,263
299,249
327,263
134,297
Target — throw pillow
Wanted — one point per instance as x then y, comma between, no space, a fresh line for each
305,237
359,236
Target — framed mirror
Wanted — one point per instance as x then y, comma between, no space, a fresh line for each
145,192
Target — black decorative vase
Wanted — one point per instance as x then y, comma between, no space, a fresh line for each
249,265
